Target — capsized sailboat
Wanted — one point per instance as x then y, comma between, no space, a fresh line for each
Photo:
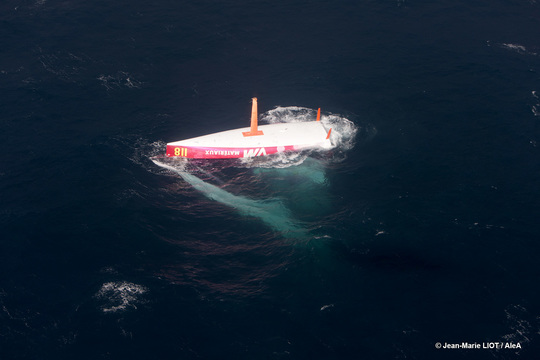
255,140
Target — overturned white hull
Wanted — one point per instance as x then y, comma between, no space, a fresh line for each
254,141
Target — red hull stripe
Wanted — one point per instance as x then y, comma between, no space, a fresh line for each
192,152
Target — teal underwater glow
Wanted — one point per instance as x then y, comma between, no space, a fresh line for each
272,212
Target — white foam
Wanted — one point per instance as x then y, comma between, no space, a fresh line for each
290,114
521,330
120,295
536,107
64,65
119,80
520,49
516,47
343,131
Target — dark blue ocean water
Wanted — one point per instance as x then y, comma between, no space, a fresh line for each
420,227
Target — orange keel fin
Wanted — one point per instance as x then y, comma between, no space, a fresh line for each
329,131
319,114
253,131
